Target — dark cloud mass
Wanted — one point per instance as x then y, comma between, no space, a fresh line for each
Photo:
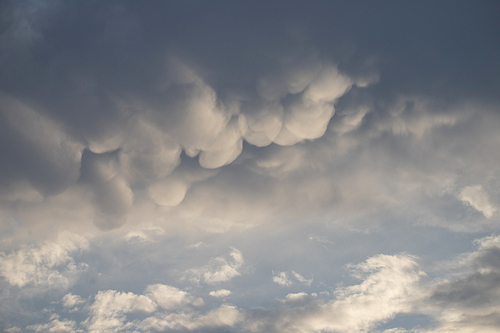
249,166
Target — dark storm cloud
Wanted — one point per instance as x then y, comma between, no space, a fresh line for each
478,288
153,78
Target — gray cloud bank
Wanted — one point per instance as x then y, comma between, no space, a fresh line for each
107,100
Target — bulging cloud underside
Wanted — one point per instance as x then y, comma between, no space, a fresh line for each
208,167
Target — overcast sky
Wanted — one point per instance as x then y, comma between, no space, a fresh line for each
249,166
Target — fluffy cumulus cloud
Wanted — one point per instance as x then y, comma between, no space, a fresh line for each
159,160
462,297
160,308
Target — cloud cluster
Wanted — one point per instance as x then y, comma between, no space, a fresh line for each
395,285
390,285
160,308
463,297
51,264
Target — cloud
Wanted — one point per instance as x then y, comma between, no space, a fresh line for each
390,285
284,278
50,264
388,289
70,301
225,316
148,153
463,297
56,325
161,307
130,131
169,192
302,279
469,302
218,269
46,143
477,197
110,306
221,293
167,297
158,111
296,297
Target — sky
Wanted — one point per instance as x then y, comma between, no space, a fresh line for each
249,166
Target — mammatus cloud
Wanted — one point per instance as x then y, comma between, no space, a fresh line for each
146,147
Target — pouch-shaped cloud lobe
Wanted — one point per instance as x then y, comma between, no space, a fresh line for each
190,166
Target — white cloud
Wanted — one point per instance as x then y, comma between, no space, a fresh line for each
224,316
390,285
225,149
50,264
165,307
295,297
302,279
282,279
219,269
70,301
148,153
261,127
221,293
167,297
110,306
477,197
57,326
168,192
